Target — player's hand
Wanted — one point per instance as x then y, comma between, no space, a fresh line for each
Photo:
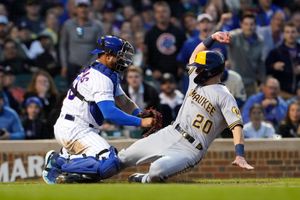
222,37
279,66
147,122
241,162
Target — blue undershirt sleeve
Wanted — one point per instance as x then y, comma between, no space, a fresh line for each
113,114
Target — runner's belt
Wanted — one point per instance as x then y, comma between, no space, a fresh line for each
188,137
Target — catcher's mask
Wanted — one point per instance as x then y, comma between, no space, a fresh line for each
208,64
118,47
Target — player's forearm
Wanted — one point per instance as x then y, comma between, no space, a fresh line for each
238,136
115,115
205,45
126,104
238,140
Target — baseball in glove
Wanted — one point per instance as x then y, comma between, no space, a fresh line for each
157,124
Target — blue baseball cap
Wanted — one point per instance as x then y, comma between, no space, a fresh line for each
34,100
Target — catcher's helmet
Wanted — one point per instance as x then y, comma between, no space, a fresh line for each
209,64
118,47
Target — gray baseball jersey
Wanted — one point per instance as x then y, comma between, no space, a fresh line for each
207,111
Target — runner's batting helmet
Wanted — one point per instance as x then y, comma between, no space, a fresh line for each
209,64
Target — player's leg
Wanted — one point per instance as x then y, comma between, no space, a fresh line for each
148,149
54,160
95,159
177,159
90,154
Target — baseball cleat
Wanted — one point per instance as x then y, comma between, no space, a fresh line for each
136,178
77,178
50,172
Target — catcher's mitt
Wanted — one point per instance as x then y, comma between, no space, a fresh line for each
157,124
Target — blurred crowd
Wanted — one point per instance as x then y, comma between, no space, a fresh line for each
45,43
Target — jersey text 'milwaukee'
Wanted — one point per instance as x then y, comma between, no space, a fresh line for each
202,101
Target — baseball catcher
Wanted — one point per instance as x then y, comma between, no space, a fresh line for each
95,96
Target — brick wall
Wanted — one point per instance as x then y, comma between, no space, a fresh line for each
272,159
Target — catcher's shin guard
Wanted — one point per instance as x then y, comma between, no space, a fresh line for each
90,169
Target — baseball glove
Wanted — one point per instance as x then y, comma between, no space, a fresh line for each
157,124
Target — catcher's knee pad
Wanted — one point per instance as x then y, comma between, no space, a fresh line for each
104,168
156,173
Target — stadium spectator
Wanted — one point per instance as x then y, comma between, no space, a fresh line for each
235,85
274,106
190,25
78,35
222,19
42,86
138,58
52,26
180,8
143,94
96,10
128,12
163,41
290,127
3,10
10,124
126,29
283,62
205,28
11,58
2,76
48,59
3,33
212,11
35,127
170,98
256,127
32,19
148,17
111,25
14,94
272,34
295,19
265,12
137,24
296,97
245,54
27,46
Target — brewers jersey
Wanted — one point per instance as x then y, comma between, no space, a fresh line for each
207,111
